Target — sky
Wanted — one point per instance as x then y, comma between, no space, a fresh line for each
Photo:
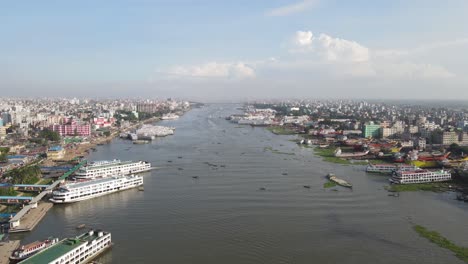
235,50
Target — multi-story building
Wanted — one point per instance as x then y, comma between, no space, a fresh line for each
148,108
371,130
420,143
463,139
2,132
449,137
72,128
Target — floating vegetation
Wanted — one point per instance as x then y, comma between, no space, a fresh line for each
438,239
329,184
432,187
281,130
277,151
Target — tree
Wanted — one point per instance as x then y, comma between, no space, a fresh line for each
49,135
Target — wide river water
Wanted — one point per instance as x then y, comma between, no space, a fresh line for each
223,217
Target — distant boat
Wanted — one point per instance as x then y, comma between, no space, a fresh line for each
340,182
141,188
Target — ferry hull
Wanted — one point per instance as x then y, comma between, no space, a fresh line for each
92,196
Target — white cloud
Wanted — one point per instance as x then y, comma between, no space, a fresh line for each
238,70
303,38
336,49
293,8
341,57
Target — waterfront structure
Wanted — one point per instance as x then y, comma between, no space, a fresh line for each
371,130
80,249
111,168
79,191
420,176
72,128
55,153
26,251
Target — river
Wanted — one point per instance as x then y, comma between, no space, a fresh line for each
223,216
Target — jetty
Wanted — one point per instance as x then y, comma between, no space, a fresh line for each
28,217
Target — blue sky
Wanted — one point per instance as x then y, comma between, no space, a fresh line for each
234,49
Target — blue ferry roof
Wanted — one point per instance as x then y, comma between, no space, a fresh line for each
55,148
16,197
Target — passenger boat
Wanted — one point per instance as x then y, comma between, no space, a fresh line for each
80,249
420,176
79,191
340,182
98,169
26,251
389,168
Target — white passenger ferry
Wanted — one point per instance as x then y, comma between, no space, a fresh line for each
99,169
420,176
80,249
26,251
389,168
79,191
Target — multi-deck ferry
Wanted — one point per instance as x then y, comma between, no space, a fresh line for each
75,192
26,251
80,249
98,169
420,176
389,168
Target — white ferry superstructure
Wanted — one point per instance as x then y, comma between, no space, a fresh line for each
420,176
389,168
99,169
80,249
79,191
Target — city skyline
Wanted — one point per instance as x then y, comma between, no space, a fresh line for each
210,51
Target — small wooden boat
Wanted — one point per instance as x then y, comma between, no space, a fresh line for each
80,226
307,186
340,182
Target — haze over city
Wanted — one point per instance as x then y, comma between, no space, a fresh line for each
230,51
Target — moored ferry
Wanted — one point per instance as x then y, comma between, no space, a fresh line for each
389,168
26,251
99,169
75,192
80,249
420,176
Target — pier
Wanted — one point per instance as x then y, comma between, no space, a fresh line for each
6,248
28,217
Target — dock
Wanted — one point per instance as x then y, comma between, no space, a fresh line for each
6,248
31,218
28,217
